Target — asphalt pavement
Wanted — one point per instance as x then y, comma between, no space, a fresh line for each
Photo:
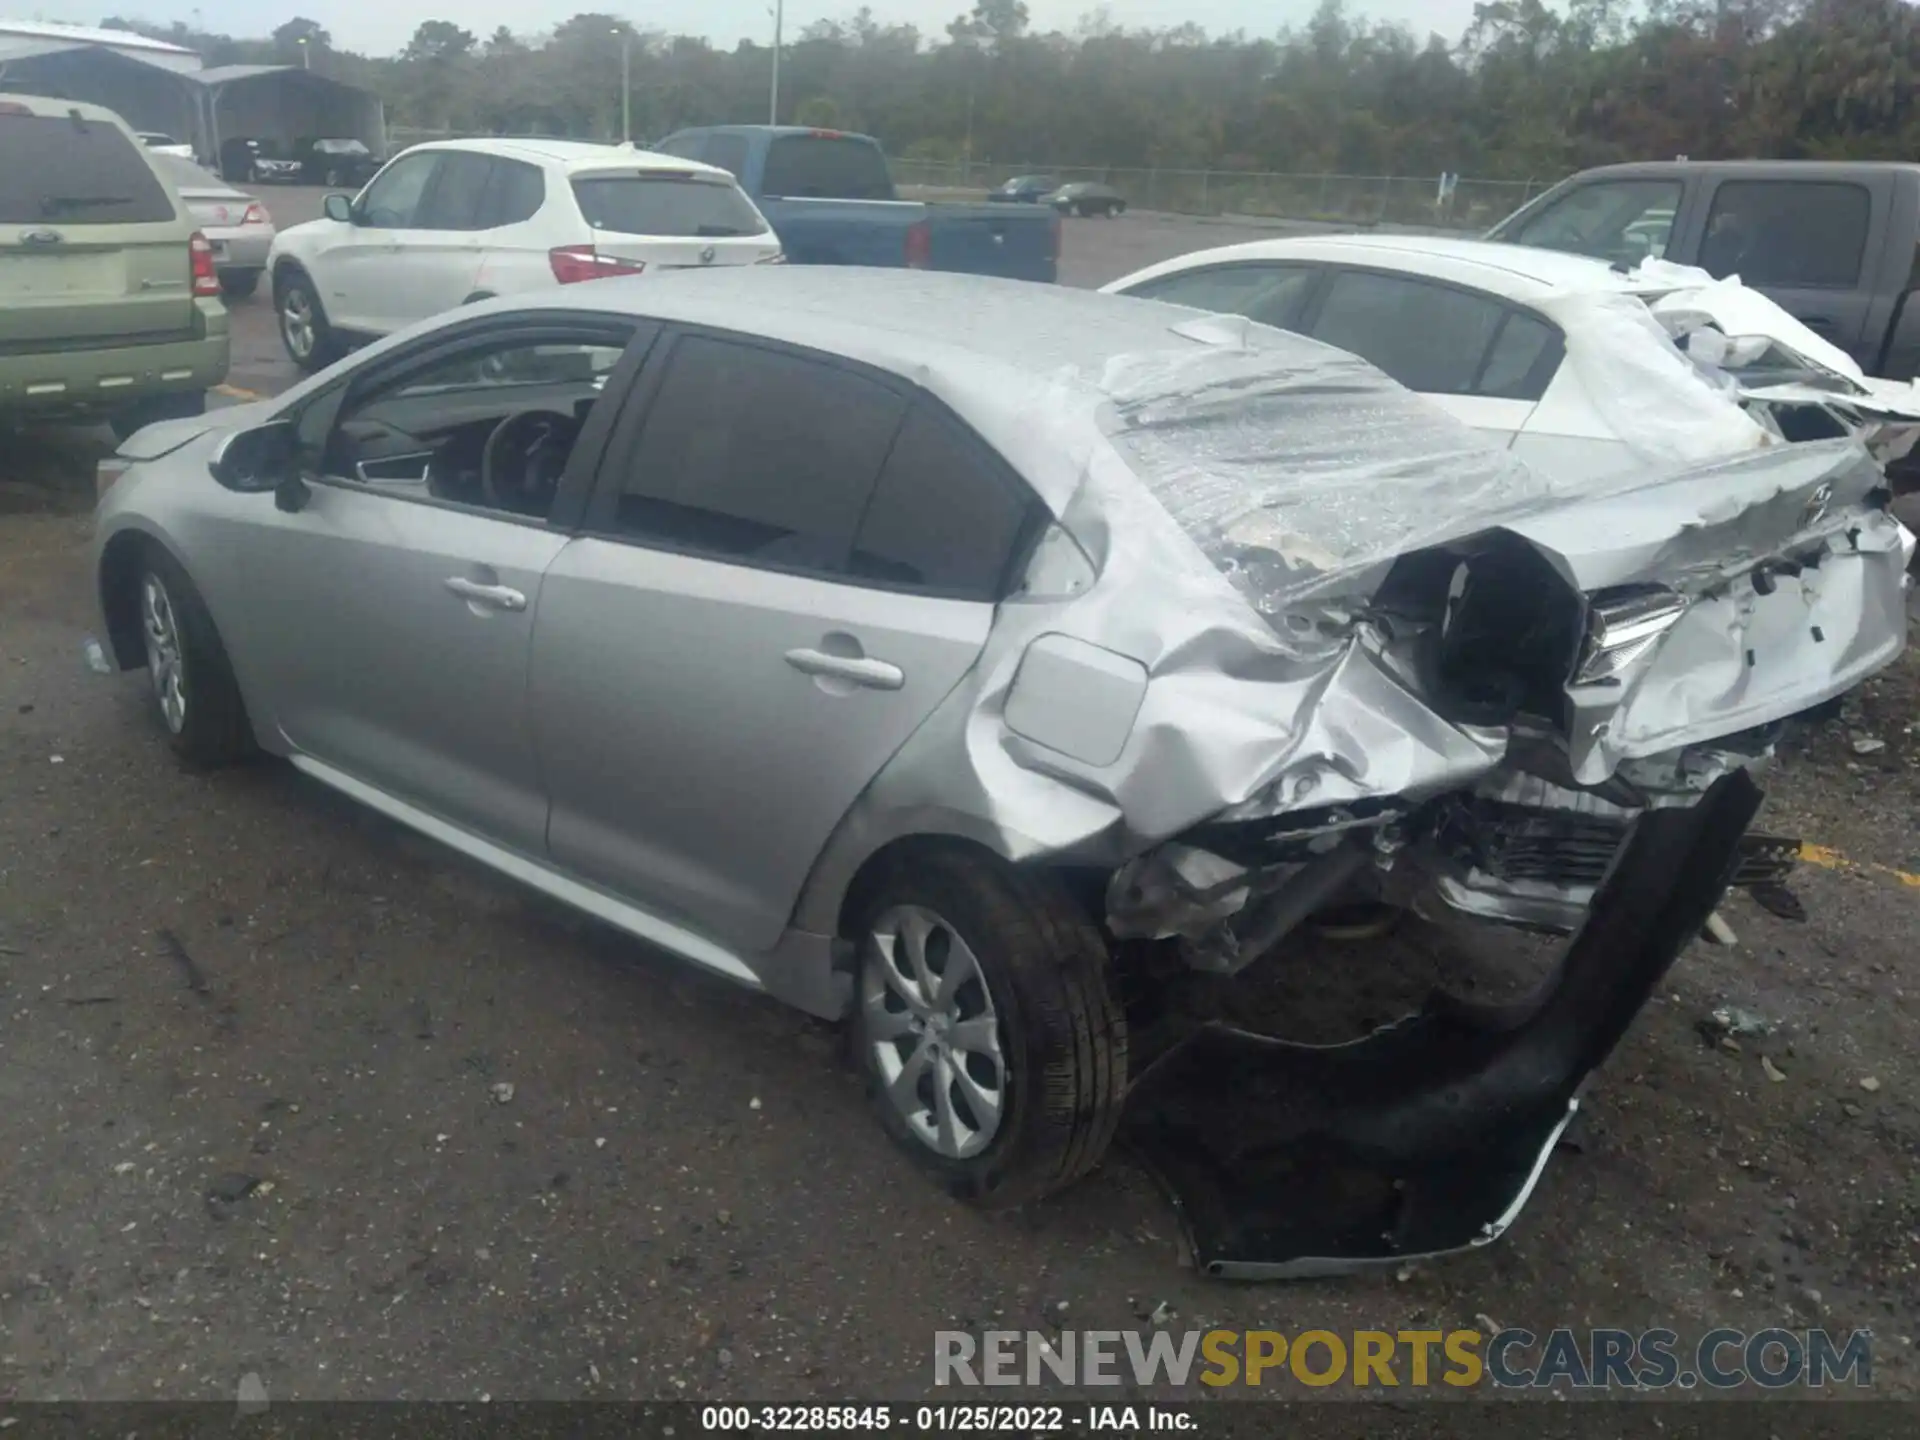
286,1092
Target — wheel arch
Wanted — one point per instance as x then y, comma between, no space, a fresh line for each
902,850
118,583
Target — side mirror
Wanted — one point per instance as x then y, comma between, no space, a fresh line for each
338,207
257,460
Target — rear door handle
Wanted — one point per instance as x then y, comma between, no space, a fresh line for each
498,597
872,674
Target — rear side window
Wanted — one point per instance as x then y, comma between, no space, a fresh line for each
1430,338
1787,233
60,170
676,205
757,455
826,167
1521,360
1270,294
518,192
946,517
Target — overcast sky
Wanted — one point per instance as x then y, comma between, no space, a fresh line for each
380,27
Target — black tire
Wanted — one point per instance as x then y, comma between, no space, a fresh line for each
214,730
1062,1037
128,422
325,347
239,284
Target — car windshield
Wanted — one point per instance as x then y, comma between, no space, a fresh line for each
684,206
826,167
74,171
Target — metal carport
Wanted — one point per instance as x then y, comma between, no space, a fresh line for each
284,103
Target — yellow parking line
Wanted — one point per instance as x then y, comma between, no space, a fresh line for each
1828,859
235,392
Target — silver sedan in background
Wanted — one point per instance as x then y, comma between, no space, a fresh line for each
971,660
235,223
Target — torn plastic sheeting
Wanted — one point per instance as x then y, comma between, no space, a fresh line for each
1293,463
1651,396
1739,312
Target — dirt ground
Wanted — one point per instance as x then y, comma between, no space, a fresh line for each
249,1039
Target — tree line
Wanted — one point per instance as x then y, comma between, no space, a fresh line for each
1530,90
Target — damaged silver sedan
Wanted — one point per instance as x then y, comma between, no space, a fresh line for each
947,655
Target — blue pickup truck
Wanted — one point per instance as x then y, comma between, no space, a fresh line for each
829,197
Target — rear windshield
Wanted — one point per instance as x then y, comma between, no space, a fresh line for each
678,205
826,167
55,169
186,175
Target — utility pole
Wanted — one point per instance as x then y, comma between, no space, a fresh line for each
306,54
626,85
773,89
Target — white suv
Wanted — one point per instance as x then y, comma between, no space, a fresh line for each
464,220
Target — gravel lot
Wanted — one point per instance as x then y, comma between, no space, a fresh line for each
250,1039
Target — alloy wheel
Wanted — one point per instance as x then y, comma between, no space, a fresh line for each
166,664
296,321
933,1031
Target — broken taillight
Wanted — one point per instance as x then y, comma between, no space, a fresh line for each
206,280
1623,626
574,263
256,215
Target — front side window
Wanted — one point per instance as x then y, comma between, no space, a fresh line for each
1270,294
459,190
1787,233
392,201
1430,338
1613,220
490,424
756,455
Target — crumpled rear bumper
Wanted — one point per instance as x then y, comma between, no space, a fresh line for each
1287,1160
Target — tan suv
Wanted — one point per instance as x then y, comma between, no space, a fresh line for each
109,303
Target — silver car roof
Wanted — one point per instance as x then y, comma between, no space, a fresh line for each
1253,439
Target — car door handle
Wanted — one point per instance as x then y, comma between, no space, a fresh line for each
873,674
500,597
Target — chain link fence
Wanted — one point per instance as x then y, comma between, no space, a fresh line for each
1340,199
